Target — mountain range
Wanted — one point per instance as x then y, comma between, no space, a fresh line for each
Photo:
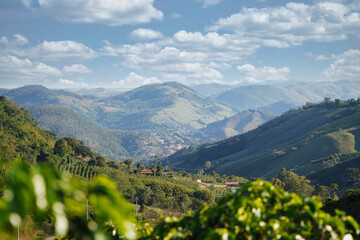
159,119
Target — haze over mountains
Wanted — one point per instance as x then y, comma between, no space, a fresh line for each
159,119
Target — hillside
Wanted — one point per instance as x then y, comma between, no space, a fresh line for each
111,125
22,140
20,137
239,123
294,140
168,106
211,90
115,144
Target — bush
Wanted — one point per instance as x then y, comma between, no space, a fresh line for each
259,210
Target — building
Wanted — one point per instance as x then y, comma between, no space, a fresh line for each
146,171
232,184
197,180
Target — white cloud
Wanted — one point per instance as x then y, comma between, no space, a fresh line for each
70,83
4,40
57,50
134,80
207,3
13,68
17,40
293,24
109,12
20,40
346,66
171,63
320,57
76,68
251,74
145,34
175,15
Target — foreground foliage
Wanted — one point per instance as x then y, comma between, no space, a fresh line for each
258,210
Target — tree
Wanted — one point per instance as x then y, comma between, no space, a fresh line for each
207,165
353,175
62,148
100,161
292,182
139,167
259,210
84,151
159,169
128,162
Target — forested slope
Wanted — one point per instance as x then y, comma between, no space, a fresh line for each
295,140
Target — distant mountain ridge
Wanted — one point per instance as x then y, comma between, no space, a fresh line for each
279,99
237,124
168,106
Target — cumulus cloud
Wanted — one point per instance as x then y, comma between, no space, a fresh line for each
171,63
70,83
207,3
76,68
251,74
346,66
13,68
134,80
17,40
109,12
233,39
57,50
20,40
293,24
145,34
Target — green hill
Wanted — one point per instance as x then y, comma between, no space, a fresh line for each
239,123
168,106
294,141
115,144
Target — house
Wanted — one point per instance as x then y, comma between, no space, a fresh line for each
197,180
232,184
146,171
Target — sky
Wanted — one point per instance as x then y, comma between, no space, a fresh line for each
130,43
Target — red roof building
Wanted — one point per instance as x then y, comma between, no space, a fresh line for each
232,184
146,171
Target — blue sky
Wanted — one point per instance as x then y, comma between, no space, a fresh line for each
128,43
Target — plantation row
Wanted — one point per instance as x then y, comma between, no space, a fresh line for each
80,169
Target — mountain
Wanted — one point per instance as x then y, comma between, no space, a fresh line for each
279,99
254,96
97,92
280,107
295,140
100,123
154,107
67,123
211,90
168,106
239,123
315,92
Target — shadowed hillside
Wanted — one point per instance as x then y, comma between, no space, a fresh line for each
294,140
